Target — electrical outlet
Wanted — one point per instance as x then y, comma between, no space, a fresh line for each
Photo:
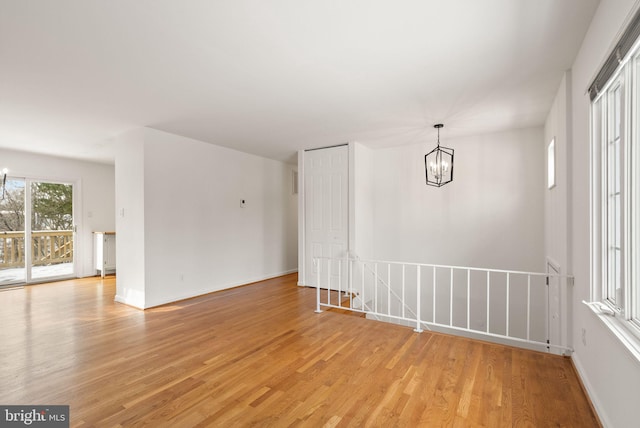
584,336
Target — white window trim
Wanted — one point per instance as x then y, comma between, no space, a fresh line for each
622,322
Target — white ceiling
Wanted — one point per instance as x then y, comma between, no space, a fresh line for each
273,77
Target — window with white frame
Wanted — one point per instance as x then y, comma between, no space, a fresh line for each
615,137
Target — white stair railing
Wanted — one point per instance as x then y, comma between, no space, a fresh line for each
511,307
392,293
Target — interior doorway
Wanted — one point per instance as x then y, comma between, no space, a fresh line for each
37,233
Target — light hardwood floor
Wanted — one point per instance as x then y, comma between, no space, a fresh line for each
259,356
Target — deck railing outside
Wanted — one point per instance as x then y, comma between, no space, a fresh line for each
512,307
48,247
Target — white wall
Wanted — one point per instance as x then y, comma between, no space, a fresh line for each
197,238
95,200
490,216
609,372
130,211
361,167
557,199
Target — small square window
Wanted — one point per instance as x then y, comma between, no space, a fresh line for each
551,164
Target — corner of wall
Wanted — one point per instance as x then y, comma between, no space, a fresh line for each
129,185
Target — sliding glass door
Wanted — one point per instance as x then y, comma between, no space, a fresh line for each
49,231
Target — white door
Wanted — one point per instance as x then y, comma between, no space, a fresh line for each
326,187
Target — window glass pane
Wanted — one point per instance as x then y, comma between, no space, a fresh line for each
617,277
616,166
612,234
51,229
611,277
616,113
616,220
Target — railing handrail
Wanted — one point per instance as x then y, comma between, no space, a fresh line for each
20,233
52,233
428,265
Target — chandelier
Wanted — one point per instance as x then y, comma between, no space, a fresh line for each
438,164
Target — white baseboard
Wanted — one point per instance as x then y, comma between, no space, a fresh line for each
591,392
178,297
457,332
135,299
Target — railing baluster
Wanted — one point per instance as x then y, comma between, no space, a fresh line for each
507,311
340,282
362,293
488,297
329,281
547,307
317,263
375,287
434,294
350,264
403,283
528,306
418,328
451,298
389,289
468,299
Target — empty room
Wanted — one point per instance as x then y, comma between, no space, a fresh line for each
319,213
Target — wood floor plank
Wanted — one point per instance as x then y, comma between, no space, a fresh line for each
258,355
